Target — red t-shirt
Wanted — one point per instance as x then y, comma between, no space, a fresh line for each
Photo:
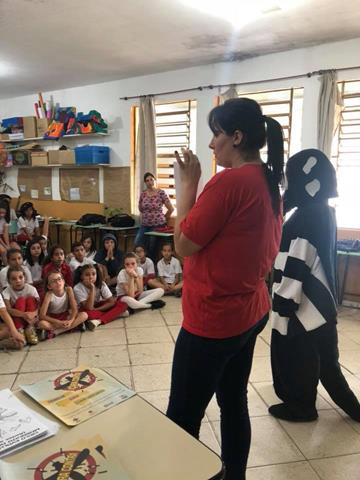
224,291
64,269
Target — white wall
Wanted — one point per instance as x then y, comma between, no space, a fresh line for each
105,97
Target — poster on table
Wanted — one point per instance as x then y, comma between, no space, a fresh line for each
82,459
79,394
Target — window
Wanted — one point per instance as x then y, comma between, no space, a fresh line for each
175,129
286,107
346,156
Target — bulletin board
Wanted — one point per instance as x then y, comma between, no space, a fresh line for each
117,188
35,183
79,185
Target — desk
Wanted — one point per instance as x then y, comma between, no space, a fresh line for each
124,232
91,229
61,223
141,439
342,282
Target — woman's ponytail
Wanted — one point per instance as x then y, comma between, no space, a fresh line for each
274,167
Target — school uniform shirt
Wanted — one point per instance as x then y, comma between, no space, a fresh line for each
91,255
35,270
169,270
74,264
2,303
224,292
148,267
58,304
64,270
12,295
304,288
3,276
30,225
3,222
82,293
13,215
124,277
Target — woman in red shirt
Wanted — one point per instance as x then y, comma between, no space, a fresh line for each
230,237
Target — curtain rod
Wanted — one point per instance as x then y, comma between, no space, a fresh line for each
254,82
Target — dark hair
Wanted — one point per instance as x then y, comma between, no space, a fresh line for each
148,174
167,244
75,245
140,246
18,268
48,259
28,256
80,270
93,245
11,251
25,206
46,280
5,206
245,115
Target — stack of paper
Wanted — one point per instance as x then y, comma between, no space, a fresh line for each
19,426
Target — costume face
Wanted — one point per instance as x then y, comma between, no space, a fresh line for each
310,177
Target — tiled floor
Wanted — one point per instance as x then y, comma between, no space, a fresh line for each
138,351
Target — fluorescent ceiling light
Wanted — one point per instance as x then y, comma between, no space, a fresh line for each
240,12
5,69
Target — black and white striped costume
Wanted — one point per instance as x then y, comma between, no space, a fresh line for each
304,343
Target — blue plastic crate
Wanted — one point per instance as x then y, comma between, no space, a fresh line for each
92,155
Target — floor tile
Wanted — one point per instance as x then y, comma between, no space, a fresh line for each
103,338
7,380
330,435
145,319
285,471
174,330
262,349
172,305
117,323
159,399
270,444
61,342
11,361
268,395
123,374
207,436
148,335
149,378
104,356
28,378
348,324
351,360
173,318
261,370
339,468
149,353
266,333
49,360
347,341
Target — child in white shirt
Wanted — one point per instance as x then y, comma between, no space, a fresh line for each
28,224
130,286
90,247
10,337
14,259
79,257
170,272
147,266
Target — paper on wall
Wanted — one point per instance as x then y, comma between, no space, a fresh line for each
34,193
74,193
47,190
22,188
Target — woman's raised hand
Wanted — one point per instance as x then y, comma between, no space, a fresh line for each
190,169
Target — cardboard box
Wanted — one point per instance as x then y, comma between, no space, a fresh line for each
39,159
41,126
4,136
29,124
61,157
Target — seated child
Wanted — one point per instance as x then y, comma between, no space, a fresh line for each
55,262
10,337
147,266
28,224
79,257
95,298
34,259
14,259
7,199
90,247
59,312
111,257
130,286
170,272
22,300
4,229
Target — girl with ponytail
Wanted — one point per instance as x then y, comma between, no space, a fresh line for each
229,237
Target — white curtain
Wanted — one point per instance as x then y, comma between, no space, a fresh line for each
146,144
230,93
329,111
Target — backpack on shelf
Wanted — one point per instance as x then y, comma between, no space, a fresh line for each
121,220
91,219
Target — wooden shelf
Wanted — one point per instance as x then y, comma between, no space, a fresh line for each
77,135
54,165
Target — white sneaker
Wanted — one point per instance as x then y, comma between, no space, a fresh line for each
125,314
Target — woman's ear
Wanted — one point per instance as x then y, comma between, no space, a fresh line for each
237,138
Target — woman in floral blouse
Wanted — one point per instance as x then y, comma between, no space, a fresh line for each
151,204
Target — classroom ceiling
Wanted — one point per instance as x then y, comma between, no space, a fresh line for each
48,45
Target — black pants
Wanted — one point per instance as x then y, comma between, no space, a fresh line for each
299,362
204,366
